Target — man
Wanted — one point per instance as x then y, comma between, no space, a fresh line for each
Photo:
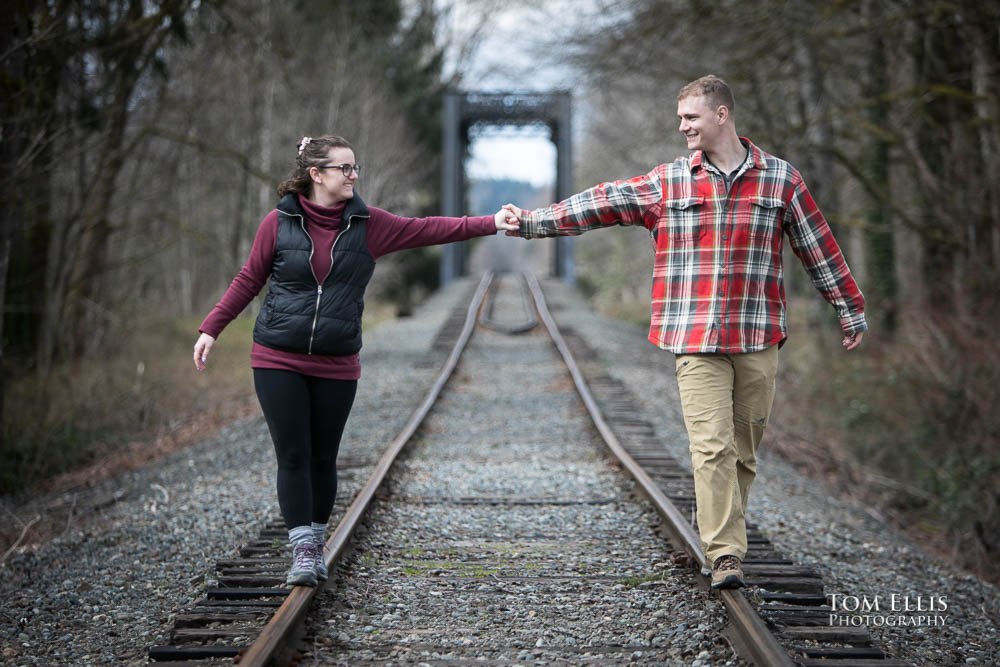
717,219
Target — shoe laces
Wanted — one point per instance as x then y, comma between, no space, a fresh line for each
303,556
725,562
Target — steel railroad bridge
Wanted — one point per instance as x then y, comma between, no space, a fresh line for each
466,111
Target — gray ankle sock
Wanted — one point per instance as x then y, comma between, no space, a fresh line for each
319,532
300,534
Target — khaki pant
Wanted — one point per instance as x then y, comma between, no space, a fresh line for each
726,399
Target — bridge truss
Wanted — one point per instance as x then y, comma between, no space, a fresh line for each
465,112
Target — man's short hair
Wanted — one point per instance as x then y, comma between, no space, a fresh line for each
716,92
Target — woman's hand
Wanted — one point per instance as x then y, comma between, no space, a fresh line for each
201,349
506,221
513,212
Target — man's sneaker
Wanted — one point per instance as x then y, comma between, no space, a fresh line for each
727,572
303,572
321,573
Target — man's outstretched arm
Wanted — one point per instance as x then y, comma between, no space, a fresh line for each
631,202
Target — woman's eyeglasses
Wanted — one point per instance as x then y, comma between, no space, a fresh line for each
345,168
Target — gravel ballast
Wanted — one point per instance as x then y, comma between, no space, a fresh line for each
507,535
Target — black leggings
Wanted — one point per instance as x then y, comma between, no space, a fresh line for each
306,417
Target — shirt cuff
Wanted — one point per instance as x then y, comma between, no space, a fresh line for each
530,227
853,323
211,329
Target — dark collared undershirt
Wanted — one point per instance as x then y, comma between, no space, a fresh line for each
728,178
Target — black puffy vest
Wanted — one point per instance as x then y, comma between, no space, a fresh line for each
300,316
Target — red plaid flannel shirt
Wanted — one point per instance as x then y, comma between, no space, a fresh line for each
717,273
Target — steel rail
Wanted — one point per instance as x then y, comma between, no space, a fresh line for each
486,314
751,630
281,626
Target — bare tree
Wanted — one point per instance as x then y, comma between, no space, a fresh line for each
82,70
239,141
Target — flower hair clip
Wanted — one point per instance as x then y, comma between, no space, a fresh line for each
302,144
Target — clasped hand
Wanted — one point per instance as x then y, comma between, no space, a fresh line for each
512,214
507,221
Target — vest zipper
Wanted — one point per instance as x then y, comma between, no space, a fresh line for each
312,333
319,285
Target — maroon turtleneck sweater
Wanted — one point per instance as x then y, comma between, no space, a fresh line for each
385,233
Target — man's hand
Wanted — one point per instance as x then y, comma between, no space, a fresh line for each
506,221
516,214
852,341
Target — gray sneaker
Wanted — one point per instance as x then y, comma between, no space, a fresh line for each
321,573
303,572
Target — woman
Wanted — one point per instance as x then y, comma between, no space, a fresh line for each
319,248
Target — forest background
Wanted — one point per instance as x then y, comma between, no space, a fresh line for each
142,141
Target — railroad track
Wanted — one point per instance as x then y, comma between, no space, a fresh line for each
783,619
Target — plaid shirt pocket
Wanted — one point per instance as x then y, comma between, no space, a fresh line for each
681,224
763,222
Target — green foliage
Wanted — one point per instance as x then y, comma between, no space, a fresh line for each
656,575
